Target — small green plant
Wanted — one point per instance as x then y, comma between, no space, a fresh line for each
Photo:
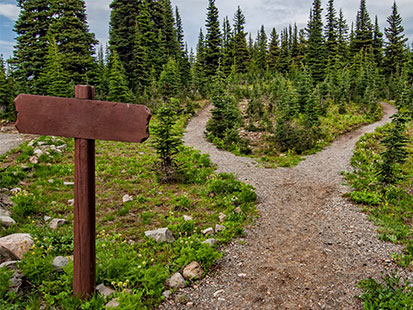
5,276
24,204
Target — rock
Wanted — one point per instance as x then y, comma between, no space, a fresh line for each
11,264
211,242
60,262
56,223
238,210
50,180
6,200
219,228
127,198
15,190
218,292
242,275
4,212
33,160
47,218
68,183
16,282
176,281
193,271
18,244
61,147
222,217
6,255
7,221
30,143
104,290
166,294
208,231
38,152
71,202
160,235
114,303
187,218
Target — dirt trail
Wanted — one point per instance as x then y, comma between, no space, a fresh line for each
309,246
9,141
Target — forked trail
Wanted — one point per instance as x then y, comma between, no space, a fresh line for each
309,246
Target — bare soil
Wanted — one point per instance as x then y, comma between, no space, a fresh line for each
309,246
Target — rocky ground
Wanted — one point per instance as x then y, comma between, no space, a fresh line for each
309,246
9,139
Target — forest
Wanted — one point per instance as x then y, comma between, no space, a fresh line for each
277,97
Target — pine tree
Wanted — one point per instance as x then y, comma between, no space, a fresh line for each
227,47
342,37
121,35
54,77
118,85
6,93
169,80
102,85
274,52
363,38
75,42
241,54
331,30
284,62
169,31
262,49
184,66
377,43
395,50
29,55
316,50
212,40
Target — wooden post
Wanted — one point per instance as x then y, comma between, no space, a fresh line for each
84,268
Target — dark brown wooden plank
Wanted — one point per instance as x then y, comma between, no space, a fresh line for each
80,118
84,263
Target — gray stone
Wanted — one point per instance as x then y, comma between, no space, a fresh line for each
104,290
238,210
166,294
33,160
15,190
11,265
193,271
18,244
160,235
54,223
176,281
61,147
71,202
219,228
16,282
187,218
60,262
127,198
68,183
222,217
4,212
7,221
114,303
208,231
47,218
38,152
211,242
6,255
6,200
30,143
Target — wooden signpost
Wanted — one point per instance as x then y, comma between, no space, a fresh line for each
86,120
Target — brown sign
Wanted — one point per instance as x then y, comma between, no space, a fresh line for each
85,120
80,118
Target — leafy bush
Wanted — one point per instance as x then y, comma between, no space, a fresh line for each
5,276
24,204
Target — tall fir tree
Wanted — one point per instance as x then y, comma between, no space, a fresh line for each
342,37
331,30
6,93
184,65
241,54
212,40
75,42
169,31
118,84
377,43
315,57
363,36
284,63
262,42
200,76
227,47
395,49
30,51
274,51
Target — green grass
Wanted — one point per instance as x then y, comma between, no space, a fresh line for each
390,208
135,266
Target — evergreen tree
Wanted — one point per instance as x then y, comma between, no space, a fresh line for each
102,85
184,66
169,32
363,38
342,37
169,80
316,50
377,43
200,75
212,40
30,51
227,47
76,44
262,49
331,30
54,77
118,85
284,62
241,55
395,50
121,25
6,93
274,51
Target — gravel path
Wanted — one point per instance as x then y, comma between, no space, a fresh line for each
309,246
9,141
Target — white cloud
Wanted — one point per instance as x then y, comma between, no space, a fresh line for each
10,11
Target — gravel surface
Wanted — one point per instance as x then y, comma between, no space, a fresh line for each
9,141
309,246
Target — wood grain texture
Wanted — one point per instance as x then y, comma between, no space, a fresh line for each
82,118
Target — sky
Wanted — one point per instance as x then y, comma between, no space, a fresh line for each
270,13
